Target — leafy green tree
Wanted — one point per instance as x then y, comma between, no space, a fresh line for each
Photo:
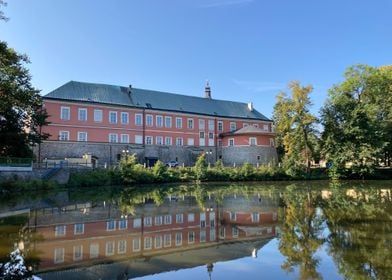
357,121
159,171
201,167
294,128
21,112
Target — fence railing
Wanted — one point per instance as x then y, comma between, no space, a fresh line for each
16,162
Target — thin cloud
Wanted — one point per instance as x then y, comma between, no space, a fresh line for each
257,86
223,3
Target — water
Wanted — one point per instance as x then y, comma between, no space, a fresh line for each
254,231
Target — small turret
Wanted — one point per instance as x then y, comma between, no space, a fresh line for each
207,91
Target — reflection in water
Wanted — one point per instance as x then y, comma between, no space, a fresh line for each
125,233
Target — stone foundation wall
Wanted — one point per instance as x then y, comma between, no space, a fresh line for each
109,153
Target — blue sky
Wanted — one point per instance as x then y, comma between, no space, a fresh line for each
249,50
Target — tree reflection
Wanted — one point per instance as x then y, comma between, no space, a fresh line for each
360,224
301,232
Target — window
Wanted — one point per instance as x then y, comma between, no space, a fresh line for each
137,223
212,219
124,138
178,238
234,231
158,241
78,252
113,137
123,224
233,216
202,236
168,141
138,119
149,121
203,220
82,136
94,250
255,125
149,140
222,232
159,121
191,142
138,139
178,122
136,244
65,113
98,115
265,127
124,118
210,135
159,140
82,114
245,125
255,217
252,141
220,126
122,247
167,240
274,216
211,125
201,134
78,228
202,124
179,141
64,135
168,122
59,255
269,230
111,225
179,218
110,248
113,117
148,221
191,237
212,235
190,123
191,217
231,142
168,219
158,220
147,243
60,230
233,126
220,143
272,142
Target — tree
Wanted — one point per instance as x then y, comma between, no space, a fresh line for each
357,121
2,16
201,167
294,127
21,112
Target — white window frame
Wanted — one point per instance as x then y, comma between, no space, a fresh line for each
233,126
179,218
148,221
124,117
123,224
168,121
159,140
78,229
191,237
78,252
231,142
272,142
220,125
111,114
179,141
136,245
58,255
138,139
203,235
121,246
234,232
191,123
191,217
167,240
113,138
65,113
94,250
124,138
202,124
80,136
168,219
63,135
191,142
159,121
211,125
149,140
158,241
178,238
98,115
60,230
110,248
111,225
82,114
147,243
149,120
168,141
178,122
158,220
245,125
266,127
138,119
137,223
255,217
252,141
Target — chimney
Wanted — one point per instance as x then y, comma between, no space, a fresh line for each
207,91
129,89
250,106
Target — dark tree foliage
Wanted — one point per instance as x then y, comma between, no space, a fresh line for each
21,112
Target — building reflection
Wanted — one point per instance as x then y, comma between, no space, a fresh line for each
86,234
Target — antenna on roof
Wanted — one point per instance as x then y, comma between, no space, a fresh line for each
129,89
